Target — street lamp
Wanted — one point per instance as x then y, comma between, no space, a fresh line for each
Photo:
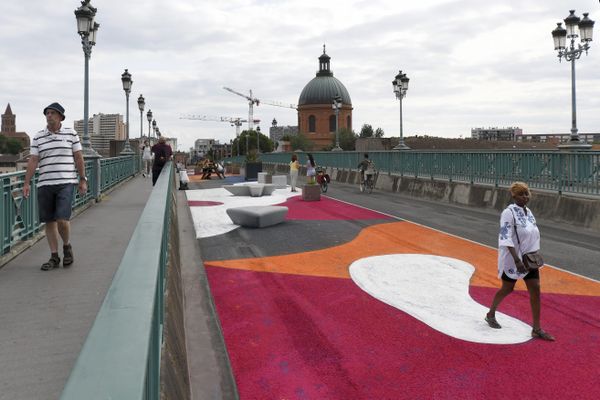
141,104
574,26
258,140
87,29
149,116
400,87
154,128
127,82
337,105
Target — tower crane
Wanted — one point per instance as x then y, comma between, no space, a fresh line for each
234,121
252,101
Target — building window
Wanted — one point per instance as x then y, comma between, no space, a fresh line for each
332,123
348,123
312,124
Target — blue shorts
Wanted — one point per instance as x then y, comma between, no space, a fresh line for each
55,202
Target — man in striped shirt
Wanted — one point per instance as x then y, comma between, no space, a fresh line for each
57,151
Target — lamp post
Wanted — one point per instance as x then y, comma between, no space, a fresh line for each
149,117
127,82
141,104
154,128
400,87
337,105
87,29
258,140
575,26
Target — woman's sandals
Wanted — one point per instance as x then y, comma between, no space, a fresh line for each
539,333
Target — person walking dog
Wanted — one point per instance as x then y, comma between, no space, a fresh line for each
58,152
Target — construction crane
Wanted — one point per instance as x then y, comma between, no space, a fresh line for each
237,122
253,100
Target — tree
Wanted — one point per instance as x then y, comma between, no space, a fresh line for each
300,142
366,131
379,133
266,144
347,139
10,145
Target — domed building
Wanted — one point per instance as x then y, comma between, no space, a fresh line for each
316,117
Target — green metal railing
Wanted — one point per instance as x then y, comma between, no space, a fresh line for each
19,217
120,358
562,172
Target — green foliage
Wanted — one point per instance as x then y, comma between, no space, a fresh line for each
266,144
366,131
379,133
301,142
347,139
10,145
252,156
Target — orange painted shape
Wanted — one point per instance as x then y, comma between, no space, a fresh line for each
407,238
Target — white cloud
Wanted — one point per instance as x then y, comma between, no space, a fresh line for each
470,63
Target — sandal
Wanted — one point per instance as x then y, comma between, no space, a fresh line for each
492,322
68,255
53,262
539,333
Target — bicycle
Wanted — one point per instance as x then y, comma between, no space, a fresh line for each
322,179
367,182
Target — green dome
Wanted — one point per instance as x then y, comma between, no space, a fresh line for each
322,90
324,87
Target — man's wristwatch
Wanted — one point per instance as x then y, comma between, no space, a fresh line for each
83,178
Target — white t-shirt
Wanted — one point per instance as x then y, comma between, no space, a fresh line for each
55,152
310,170
146,155
529,238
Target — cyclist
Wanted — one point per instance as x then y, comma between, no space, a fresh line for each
364,165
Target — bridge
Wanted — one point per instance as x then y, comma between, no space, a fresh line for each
135,316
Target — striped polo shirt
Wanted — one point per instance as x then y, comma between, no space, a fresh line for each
55,152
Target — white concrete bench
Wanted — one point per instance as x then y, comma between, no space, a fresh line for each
254,190
264,177
238,190
280,181
257,216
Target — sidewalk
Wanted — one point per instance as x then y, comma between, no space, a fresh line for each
45,316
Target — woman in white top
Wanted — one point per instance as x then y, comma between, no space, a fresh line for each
518,235
147,158
310,169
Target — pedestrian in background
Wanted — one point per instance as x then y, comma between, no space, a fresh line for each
518,235
310,169
146,158
294,167
57,151
162,153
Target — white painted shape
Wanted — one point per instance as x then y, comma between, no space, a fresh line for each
213,220
435,290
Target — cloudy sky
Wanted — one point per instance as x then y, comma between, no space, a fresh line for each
470,62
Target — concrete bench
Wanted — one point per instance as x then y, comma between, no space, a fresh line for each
264,177
256,190
238,190
280,181
257,216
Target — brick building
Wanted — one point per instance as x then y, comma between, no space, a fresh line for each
316,117
9,128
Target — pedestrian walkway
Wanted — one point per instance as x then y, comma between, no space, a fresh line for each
45,316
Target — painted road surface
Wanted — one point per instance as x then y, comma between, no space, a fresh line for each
341,302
